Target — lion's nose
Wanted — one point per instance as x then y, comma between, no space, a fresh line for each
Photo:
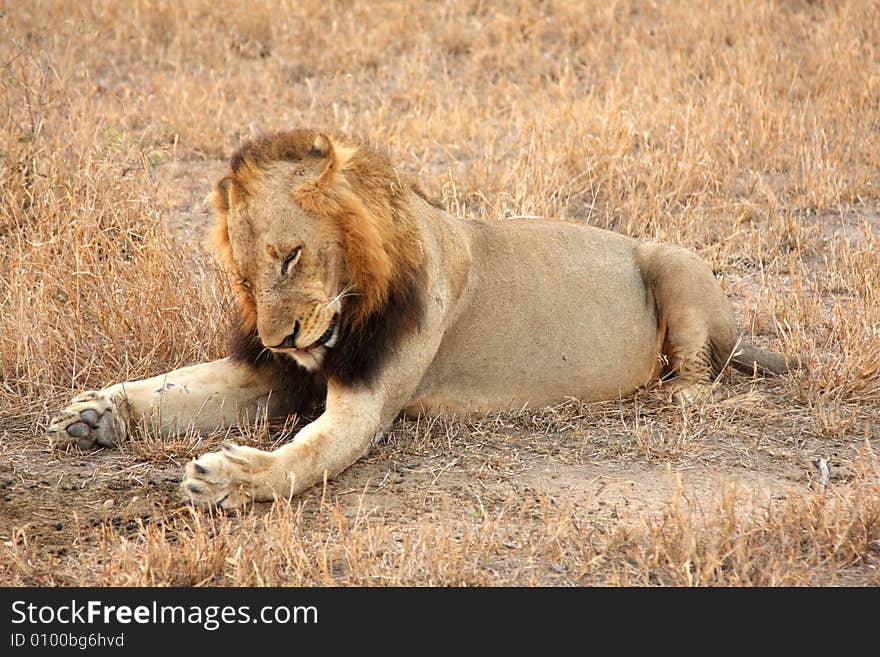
290,341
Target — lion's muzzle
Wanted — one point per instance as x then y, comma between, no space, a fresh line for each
324,339
289,343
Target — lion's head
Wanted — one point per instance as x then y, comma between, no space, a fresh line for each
321,249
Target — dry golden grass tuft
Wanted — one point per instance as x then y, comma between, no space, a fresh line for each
749,132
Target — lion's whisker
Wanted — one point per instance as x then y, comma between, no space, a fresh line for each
344,293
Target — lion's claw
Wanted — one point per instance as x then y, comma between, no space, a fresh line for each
91,419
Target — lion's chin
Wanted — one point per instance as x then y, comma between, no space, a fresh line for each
311,359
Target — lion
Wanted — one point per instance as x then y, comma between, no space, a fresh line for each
360,299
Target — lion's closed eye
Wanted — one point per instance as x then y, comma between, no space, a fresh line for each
291,260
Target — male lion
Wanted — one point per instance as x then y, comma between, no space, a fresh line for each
358,295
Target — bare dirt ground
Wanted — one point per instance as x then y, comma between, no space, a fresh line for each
716,128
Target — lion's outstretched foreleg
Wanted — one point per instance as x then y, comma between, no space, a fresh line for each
238,475
204,397
354,416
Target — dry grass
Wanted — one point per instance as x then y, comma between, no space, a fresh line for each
815,539
747,131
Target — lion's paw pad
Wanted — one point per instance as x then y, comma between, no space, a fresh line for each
90,420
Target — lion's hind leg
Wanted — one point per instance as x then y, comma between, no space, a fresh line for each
694,317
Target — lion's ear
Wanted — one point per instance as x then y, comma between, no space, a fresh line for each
334,155
220,197
220,233
322,146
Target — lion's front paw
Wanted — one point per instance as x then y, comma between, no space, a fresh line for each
230,478
91,419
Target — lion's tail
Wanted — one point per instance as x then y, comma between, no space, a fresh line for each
748,358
